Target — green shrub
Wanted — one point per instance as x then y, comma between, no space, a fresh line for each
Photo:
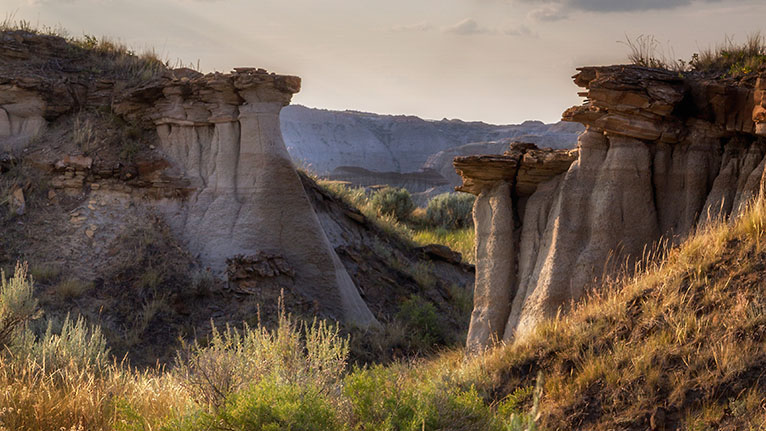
269,405
273,406
393,201
387,399
17,304
76,346
381,400
420,317
312,354
451,210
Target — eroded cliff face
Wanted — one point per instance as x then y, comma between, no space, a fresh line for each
223,133
661,154
220,173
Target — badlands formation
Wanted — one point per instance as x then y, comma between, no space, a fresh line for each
661,155
218,170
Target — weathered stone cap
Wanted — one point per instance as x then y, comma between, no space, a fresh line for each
656,104
629,100
524,166
201,99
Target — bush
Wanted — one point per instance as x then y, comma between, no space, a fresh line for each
76,346
381,401
393,201
451,210
387,398
274,406
312,354
422,320
17,304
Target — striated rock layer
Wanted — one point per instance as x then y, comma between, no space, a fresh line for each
661,154
235,193
223,133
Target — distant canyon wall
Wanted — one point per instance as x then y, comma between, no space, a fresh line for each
661,154
334,143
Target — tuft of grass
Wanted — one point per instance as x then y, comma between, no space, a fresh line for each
726,59
71,288
732,58
83,134
44,273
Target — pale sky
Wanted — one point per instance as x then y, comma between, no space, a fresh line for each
498,61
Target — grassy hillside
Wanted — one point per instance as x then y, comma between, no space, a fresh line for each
679,345
414,225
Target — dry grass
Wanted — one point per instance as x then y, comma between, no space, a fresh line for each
71,288
37,398
726,59
683,339
104,56
680,344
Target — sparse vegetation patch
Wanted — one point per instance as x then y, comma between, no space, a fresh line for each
726,59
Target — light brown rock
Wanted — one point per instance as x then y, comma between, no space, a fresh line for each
647,169
224,136
496,266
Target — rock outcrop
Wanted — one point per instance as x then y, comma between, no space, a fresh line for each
223,133
661,154
220,149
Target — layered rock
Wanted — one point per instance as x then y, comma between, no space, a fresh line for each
221,173
223,132
503,184
661,153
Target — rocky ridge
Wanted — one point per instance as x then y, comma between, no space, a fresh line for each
338,144
661,154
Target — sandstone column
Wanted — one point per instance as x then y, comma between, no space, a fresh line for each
495,268
277,216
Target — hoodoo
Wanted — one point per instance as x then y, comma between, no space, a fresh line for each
222,132
661,153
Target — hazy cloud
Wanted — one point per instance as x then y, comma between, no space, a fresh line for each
548,13
421,26
518,31
468,27
624,5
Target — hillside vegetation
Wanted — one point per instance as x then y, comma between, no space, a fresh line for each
679,345
446,221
